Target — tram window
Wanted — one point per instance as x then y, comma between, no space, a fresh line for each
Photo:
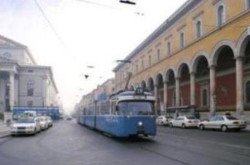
135,108
113,108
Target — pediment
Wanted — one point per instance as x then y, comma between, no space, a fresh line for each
8,43
5,44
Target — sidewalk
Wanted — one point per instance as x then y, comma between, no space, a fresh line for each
248,127
4,130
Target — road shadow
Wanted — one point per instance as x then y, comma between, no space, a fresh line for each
131,139
135,139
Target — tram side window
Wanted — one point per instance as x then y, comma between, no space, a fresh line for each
99,109
91,110
104,108
107,108
113,108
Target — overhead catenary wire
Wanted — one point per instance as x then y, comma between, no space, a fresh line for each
49,23
97,4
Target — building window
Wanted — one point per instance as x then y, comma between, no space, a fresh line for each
158,55
248,92
149,60
169,48
142,64
30,88
247,4
29,103
220,15
182,44
198,29
136,68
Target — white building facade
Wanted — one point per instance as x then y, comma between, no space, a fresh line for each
22,81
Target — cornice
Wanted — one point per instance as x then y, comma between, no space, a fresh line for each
185,8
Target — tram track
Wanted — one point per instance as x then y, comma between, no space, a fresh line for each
163,155
175,148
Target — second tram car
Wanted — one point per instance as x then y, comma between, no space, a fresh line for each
124,114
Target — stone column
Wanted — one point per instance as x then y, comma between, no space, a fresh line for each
192,88
11,84
177,91
17,88
212,90
156,97
239,86
11,90
165,96
44,90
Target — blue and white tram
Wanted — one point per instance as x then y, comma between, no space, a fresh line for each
127,113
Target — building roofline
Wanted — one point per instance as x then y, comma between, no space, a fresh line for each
185,8
19,45
35,66
30,55
13,42
53,80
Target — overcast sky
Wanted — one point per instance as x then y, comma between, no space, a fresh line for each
87,33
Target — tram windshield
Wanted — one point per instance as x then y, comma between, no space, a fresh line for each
135,108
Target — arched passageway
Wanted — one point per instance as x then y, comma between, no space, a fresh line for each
245,78
202,83
184,78
225,88
150,86
143,85
170,80
160,93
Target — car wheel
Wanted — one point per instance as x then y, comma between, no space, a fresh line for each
224,128
237,129
35,132
183,126
202,127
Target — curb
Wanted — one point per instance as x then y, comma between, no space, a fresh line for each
4,134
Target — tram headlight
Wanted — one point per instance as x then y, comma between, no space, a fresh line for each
140,123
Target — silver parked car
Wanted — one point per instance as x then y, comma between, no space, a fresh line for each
223,123
43,122
28,125
184,122
161,120
49,121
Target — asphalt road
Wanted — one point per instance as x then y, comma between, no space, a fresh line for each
68,143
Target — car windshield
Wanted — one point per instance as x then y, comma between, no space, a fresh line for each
135,108
231,118
191,117
25,121
42,119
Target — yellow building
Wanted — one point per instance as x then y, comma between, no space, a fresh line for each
199,56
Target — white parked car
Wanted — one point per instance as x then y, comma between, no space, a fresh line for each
28,125
43,122
184,122
223,123
161,120
50,121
